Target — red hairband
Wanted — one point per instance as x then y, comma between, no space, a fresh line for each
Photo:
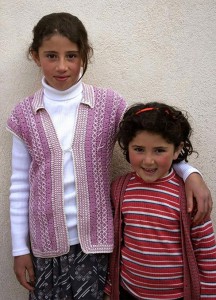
145,109
148,109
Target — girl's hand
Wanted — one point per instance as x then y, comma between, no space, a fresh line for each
23,268
197,191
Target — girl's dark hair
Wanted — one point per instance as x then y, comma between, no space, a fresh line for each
161,119
66,25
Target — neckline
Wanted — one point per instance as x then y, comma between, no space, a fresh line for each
158,181
53,94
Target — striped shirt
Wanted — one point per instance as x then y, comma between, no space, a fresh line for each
151,253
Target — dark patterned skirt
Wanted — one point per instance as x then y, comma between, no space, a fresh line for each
74,276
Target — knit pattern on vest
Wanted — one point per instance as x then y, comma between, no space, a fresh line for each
98,118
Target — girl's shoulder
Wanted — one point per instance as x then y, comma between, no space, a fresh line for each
106,100
98,88
35,98
101,90
118,188
121,181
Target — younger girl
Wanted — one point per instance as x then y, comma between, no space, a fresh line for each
63,138
159,253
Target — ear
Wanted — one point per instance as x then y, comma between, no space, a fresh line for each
36,58
178,150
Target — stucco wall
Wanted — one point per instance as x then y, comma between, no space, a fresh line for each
146,50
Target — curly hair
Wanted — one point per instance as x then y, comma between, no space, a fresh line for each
159,118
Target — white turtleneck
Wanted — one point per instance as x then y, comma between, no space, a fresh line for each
62,108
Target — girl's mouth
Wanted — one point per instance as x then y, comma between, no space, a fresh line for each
61,78
149,171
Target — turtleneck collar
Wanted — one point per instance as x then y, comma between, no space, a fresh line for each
53,94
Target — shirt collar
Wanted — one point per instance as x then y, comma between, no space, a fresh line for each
88,98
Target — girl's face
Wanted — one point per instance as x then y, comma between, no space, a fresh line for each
60,61
151,156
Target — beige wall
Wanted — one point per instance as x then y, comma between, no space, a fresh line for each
144,49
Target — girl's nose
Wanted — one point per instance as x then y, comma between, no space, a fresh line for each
62,65
148,159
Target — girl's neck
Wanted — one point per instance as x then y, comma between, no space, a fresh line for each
53,94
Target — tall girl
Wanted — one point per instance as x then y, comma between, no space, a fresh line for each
63,138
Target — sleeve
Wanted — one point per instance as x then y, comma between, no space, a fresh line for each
183,169
19,195
203,240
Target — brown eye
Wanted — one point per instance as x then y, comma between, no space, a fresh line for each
159,150
51,56
139,149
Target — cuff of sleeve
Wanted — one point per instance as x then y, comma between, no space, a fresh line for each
184,170
20,252
189,172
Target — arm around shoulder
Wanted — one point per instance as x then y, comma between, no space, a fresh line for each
198,195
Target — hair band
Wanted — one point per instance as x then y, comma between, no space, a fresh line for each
145,109
149,109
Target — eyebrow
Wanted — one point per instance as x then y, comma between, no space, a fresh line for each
52,51
140,146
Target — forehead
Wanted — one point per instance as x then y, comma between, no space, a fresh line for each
147,138
57,42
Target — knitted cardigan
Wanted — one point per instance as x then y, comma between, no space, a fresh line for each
191,272
97,122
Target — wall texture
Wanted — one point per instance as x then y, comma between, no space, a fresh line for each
163,50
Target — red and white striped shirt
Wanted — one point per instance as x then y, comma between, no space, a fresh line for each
151,253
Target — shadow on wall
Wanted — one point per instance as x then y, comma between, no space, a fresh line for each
119,164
